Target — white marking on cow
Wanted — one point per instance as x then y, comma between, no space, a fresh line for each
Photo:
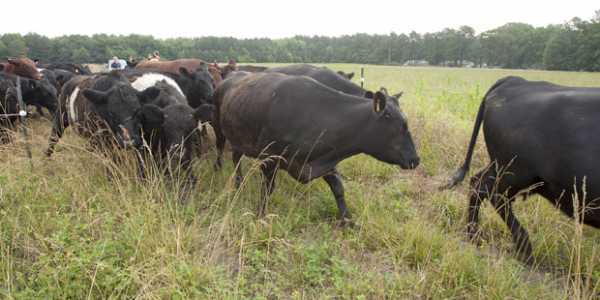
150,79
72,110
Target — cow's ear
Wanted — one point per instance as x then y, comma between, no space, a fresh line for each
369,95
350,75
379,102
95,96
204,113
152,116
397,96
12,61
148,94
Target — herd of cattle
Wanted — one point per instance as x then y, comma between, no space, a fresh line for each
541,137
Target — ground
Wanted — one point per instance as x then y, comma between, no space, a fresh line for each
68,229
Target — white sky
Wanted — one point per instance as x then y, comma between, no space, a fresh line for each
276,19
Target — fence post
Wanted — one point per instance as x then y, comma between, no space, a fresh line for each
22,118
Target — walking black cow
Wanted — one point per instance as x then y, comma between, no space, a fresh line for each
544,139
307,128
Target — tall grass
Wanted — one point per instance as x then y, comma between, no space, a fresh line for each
67,230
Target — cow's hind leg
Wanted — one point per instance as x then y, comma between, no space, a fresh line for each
482,185
220,143
520,237
269,171
501,192
237,156
334,181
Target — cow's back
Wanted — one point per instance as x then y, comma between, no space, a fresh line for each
322,75
173,66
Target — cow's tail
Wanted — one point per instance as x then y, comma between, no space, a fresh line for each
460,174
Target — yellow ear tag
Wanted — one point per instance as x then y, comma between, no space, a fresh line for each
377,107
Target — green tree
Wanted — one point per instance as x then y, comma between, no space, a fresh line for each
80,55
15,45
39,46
3,50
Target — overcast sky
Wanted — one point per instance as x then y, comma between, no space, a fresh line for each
276,19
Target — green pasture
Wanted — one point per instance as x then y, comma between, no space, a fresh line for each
69,231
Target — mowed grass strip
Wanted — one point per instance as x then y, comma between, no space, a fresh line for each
69,231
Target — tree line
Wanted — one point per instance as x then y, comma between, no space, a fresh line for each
573,46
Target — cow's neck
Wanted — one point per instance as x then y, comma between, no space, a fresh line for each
360,114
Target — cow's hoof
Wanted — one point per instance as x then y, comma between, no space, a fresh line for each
346,223
473,235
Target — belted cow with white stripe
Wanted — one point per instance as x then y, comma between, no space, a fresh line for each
172,133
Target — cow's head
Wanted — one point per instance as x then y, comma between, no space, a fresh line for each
388,137
348,76
25,67
202,85
40,92
174,128
121,109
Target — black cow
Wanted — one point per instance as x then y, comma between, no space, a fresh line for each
328,78
77,69
100,102
57,77
9,109
307,128
171,132
39,93
542,139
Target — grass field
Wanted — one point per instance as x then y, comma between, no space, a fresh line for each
67,231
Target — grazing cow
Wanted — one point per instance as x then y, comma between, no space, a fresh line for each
171,134
174,67
77,69
307,128
21,66
349,76
328,78
39,93
542,139
103,108
196,86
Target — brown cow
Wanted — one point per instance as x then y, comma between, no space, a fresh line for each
21,66
172,66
